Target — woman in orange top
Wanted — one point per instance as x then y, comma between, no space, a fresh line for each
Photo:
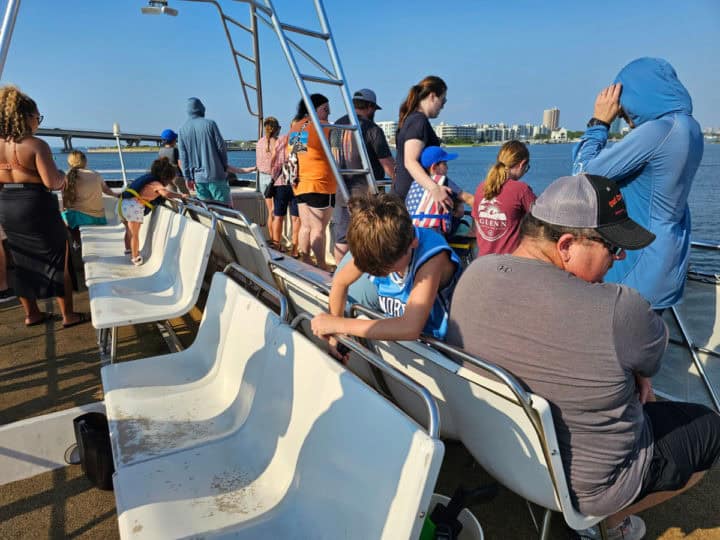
316,186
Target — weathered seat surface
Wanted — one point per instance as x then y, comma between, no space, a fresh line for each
315,453
160,404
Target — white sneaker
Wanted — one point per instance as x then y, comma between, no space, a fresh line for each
631,528
137,261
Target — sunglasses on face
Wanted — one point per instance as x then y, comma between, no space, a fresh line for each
39,118
614,250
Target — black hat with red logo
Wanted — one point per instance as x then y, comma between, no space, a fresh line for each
590,201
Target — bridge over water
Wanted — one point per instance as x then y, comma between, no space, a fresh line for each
130,139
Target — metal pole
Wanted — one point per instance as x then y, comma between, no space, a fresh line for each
6,32
116,132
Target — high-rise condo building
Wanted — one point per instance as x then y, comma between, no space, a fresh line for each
551,118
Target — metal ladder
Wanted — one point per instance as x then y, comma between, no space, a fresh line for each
264,11
334,76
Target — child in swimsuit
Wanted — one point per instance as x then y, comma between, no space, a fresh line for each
140,198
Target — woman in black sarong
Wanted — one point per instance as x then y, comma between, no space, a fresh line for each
29,211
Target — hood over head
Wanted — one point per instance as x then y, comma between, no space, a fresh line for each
651,89
195,107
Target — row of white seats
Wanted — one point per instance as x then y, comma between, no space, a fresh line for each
475,398
254,432
176,250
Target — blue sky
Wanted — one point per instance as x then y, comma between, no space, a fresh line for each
89,64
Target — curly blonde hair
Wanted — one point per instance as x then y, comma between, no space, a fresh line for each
76,160
15,108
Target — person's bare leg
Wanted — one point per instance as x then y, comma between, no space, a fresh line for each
295,221
276,229
134,227
32,311
304,234
318,224
126,238
652,500
269,204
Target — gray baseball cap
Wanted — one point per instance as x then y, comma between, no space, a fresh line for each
367,95
594,202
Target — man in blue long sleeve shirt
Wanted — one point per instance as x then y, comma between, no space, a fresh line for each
654,166
203,155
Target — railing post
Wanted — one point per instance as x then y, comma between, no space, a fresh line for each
6,32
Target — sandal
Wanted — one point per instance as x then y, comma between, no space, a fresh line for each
82,319
44,317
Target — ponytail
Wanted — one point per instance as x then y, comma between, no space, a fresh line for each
429,85
76,160
511,153
495,179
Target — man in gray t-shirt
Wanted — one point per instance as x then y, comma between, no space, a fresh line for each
588,347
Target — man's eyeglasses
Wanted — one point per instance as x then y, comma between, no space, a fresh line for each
614,250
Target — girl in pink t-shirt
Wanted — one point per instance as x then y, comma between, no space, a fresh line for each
502,200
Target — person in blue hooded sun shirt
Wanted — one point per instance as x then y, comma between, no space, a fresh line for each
654,166
203,155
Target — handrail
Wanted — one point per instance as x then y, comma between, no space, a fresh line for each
433,412
705,244
280,297
521,395
202,210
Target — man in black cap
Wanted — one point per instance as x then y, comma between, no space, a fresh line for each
381,160
589,348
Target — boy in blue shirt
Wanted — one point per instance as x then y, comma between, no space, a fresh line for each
413,270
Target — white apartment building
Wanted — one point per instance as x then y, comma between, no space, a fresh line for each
449,131
389,128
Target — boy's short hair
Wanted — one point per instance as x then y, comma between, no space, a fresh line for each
380,232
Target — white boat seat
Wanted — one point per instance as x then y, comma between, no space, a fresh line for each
221,252
428,368
168,292
315,453
251,204
100,241
197,387
246,241
522,452
153,247
307,290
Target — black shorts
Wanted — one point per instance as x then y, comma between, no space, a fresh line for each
320,201
686,440
282,199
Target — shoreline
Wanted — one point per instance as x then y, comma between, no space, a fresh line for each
110,150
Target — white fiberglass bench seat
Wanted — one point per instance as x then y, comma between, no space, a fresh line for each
246,241
153,247
318,455
98,240
161,404
510,432
168,292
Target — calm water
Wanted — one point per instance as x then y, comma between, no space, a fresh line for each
549,161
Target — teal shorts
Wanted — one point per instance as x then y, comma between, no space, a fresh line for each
75,219
214,191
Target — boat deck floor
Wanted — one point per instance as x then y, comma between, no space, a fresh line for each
47,368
